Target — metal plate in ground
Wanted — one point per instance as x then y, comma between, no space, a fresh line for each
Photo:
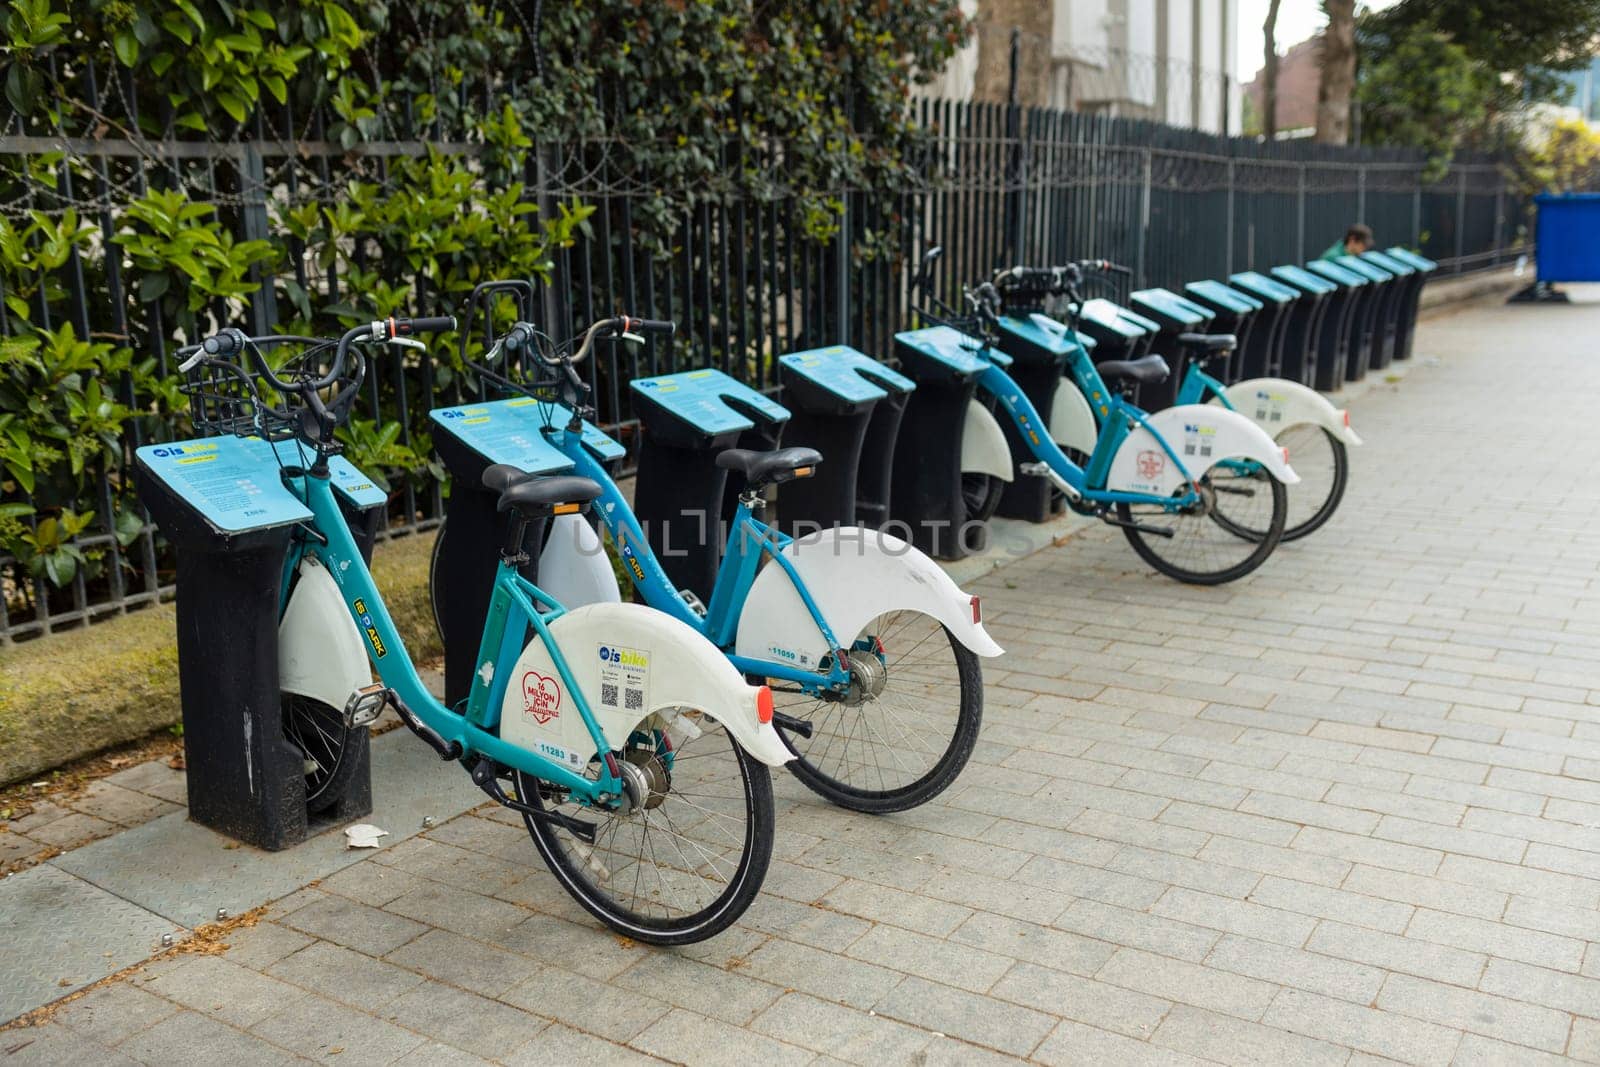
60,934
184,872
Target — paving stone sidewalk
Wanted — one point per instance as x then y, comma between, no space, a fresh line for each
1346,811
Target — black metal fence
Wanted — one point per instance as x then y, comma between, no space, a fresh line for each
747,276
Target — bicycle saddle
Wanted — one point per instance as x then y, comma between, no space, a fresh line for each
769,468
1209,342
1146,369
533,496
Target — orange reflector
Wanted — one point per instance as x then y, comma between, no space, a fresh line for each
1346,415
1286,455
977,611
804,472
764,704
565,509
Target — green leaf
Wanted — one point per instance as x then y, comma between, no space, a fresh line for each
126,45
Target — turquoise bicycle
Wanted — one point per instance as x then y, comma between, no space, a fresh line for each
636,754
871,650
1300,419
1162,478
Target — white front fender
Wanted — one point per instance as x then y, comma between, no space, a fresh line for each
1275,404
631,662
574,567
1201,435
1072,422
983,445
853,576
320,652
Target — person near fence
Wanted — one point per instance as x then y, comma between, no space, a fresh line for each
1356,240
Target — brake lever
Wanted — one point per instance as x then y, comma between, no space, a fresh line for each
630,336
408,342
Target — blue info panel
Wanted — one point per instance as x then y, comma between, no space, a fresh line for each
1217,293
1117,319
846,373
1052,336
699,398
503,433
236,483
956,350
233,482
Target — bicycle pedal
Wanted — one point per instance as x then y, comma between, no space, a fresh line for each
366,704
696,605
1048,473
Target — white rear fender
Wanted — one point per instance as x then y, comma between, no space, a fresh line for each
1201,435
320,652
1072,422
983,445
574,567
853,576
1275,404
631,662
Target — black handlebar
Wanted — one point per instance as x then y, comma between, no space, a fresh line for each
648,326
431,324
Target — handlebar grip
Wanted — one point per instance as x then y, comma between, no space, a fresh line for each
517,338
431,324
226,343
665,326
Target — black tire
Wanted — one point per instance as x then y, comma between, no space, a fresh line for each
980,495
1323,463
330,751
1231,547
573,863
918,771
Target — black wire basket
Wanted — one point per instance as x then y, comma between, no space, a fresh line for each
226,397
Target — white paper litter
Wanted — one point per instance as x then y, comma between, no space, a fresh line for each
363,835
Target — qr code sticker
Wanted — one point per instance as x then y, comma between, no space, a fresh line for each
608,694
635,699
1188,450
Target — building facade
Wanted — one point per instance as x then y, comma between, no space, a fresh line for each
1169,60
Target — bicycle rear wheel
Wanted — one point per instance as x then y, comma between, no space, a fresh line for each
1323,463
905,730
1211,542
690,856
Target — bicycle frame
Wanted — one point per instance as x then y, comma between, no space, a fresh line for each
1197,383
1117,415
749,540
512,610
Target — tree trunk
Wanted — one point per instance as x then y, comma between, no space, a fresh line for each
995,21
1269,73
1338,72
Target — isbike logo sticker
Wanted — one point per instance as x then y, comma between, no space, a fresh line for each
373,639
1151,464
182,450
624,678
1198,440
541,697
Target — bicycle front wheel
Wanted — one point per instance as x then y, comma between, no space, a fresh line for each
980,495
1228,533
905,729
688,858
